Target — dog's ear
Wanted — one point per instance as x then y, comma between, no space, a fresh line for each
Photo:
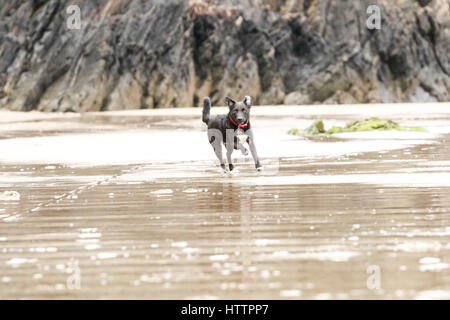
248,101
230,102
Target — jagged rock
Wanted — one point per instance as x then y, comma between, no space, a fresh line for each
171,53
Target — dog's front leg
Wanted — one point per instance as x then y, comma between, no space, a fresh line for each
251,144
229,152
229,145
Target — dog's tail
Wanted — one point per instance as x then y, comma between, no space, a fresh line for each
206,109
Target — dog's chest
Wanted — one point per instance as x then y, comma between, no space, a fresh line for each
241,136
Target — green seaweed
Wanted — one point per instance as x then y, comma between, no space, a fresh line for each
372,124
294,132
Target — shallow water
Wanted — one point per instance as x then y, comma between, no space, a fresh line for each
305,228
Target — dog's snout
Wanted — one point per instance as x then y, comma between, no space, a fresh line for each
240,117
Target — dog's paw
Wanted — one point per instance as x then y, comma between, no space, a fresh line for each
244,152
259,169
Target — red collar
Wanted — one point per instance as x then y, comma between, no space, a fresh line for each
239,125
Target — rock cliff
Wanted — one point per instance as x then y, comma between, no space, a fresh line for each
166,53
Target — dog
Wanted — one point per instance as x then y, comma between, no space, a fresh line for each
232,129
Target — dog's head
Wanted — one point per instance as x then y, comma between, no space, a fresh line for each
239,111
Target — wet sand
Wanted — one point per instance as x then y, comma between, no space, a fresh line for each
133,205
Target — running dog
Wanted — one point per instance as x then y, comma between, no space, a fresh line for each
232,129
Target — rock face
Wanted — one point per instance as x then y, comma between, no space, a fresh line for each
166,53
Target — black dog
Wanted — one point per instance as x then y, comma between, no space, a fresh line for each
233,129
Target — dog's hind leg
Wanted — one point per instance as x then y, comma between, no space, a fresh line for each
215,138
218,151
